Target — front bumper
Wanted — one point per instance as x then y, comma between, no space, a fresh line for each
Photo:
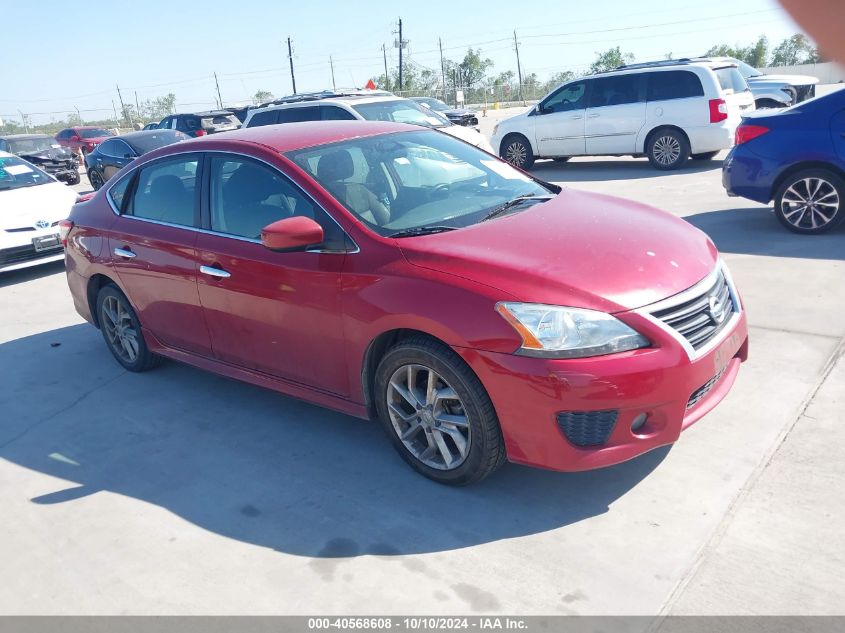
662,381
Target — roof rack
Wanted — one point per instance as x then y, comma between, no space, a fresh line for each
327,94
662,62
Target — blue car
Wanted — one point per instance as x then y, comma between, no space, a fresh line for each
796,157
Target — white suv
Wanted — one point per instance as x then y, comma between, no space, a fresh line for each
364,105
667,111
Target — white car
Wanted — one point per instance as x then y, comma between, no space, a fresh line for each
31,205
364,105
667,111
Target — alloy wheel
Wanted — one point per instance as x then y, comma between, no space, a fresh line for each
428,417
810,203
516,154
120,330
667,150
95,179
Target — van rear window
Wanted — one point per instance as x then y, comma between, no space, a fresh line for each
731,80
673,84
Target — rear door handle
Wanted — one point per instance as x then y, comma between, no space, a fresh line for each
593,116
124,252
214,272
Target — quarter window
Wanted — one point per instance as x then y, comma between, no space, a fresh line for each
246,196
673,84
333,113
166,192
110,148
118,192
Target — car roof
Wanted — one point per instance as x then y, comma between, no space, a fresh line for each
129,136
206,113
293,136
23,137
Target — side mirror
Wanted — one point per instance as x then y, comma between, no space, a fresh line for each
74,139
292,234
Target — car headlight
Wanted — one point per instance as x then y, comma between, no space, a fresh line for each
558,332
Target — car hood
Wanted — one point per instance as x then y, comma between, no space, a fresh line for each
793,80
469,135
22,207
579,250
47,154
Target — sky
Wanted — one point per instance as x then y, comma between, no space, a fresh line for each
65,55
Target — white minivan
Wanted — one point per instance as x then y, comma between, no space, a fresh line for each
667,111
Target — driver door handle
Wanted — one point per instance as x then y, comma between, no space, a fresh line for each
214,272
124,252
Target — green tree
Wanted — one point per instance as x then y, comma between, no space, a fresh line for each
261,96
755,54
610,59
795,50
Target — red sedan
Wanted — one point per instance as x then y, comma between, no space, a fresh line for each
398,273
83,138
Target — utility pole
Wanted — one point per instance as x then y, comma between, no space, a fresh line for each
138,106
331,63
23,121
401,44
442,68
386,76
79,114
123,106
115,111
290,58
518,67
219,98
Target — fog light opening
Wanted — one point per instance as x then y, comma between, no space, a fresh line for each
639,422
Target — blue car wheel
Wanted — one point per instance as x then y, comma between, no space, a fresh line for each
810,201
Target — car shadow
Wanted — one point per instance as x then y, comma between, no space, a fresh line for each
584,170
756,231
255,466
21,275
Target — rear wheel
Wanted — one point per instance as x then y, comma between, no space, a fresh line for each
810,201
517,151
704,156
437,414
95,179
122,331
667,149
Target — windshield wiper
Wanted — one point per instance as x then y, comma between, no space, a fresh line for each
422,230
510,204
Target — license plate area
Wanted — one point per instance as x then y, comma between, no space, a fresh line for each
46,242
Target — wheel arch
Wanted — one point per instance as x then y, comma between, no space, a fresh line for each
510,135
647,138
96,283
802,166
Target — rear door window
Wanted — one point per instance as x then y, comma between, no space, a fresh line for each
166,192
334,113
673,84
296,115
731,80
618,90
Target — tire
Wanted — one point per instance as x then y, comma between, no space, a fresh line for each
819,191
704,156
113,309
561,159
74,179
457,393
667,149
95,179
517,151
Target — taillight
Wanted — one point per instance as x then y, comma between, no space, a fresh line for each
64,229
718,110
746,132
200,132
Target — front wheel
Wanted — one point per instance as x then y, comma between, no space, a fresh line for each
517,151
74,178
810,201
667,149
122,331
437,414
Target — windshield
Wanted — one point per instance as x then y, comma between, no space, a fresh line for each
434,104
410,180
144,143
401,111
16,174
32,145
94,133
747,70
